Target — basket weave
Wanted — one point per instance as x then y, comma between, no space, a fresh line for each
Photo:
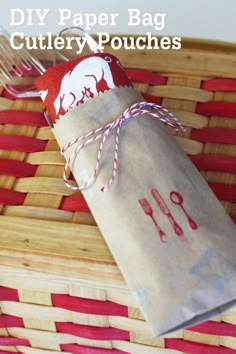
60,288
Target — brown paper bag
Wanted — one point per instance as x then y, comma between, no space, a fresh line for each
173,242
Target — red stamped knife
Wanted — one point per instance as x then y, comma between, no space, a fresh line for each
166,211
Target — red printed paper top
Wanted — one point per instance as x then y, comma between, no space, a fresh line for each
71,83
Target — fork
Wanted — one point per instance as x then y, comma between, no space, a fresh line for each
149,212
15,64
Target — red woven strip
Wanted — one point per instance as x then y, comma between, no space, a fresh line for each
222,109
146,77
225,192
214,135
12,341
93,307
91,332
35,119
81,349
151,98
219,85
74,203
9,197
4,352
21,143
185,346
205,162
233,217
8,294
19,88
7,321
16,168
215,328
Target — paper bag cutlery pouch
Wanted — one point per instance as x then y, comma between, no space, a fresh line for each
171,238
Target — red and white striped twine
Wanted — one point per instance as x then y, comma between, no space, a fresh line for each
102,133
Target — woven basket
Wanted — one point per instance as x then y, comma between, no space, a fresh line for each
60,288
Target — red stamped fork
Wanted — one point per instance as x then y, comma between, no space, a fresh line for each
148,211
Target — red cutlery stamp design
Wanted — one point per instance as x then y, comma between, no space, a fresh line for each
177,199
166,211
148,211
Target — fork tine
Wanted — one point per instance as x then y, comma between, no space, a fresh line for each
14,63
17,57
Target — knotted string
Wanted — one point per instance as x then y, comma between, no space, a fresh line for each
102,133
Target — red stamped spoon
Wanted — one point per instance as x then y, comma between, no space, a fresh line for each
177,199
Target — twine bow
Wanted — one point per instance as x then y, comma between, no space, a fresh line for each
102,133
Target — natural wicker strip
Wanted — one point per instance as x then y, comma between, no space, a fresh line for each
80,349
146,76
43,200
21,105
220,177
31,350
45,133
185,62
227,85
94,269
21,143
41,213
219,149
47,185
91,332
225,96
191,119
5,104
84,218
11,197
181,92
94,307
207,162
133,325
10,321
26,311
56,238
221,122
196,348
35,119
74,203
214,135
46,158
221,109
224,191
60,284
16,168
189,146
215,328
131,347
